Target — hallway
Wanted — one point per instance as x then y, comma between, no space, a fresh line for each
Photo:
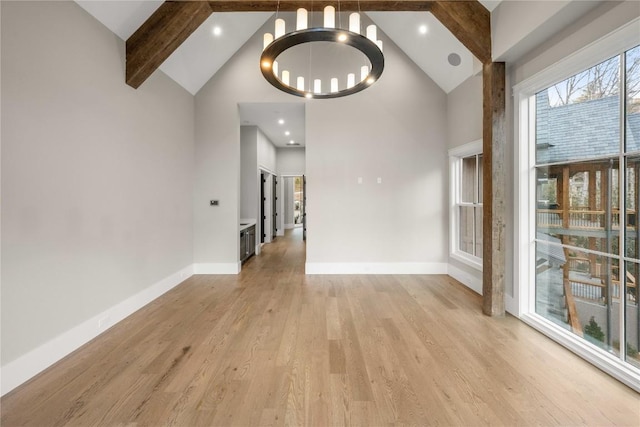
272,346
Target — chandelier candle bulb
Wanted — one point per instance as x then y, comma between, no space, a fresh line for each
372,33
301,19
351,80
354,23
280,28
267,39
364,72
359,36
329,17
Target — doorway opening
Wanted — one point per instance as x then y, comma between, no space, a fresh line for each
294,204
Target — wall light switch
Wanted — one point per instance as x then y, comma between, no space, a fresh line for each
379,180
359,180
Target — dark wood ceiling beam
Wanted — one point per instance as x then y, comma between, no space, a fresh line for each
175,21
292,5
469,22
160,36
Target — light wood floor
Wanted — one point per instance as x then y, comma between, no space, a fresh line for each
273,347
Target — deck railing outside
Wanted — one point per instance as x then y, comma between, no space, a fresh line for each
582,219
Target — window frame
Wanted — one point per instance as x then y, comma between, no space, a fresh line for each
524,106
456,156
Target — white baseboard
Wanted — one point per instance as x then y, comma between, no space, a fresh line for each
511,305
280,232
217,268
592,354
22,369
375,268
289,226
473,283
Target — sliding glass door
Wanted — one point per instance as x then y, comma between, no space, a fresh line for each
586,168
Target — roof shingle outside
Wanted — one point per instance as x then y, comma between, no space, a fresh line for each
583,130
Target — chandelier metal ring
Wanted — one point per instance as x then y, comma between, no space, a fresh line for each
321,34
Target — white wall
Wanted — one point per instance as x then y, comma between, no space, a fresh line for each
249,188
519,26
594,25
290,160
266,153
266,163
464,112
217,172
395,130
257,154
464,125
96,176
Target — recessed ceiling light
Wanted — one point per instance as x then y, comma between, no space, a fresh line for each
281,121
217,31
287,133
423,29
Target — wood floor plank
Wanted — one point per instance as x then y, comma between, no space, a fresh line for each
274,347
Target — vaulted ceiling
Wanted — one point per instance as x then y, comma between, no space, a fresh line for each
205,39
191,41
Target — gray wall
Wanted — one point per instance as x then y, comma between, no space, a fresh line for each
290,160
464,125
249,175
464,112
96,176
257,153
395,130
217,130
266,153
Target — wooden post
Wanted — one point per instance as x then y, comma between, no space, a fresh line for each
566,201
592,207
494,184
572,310
636,272
608,220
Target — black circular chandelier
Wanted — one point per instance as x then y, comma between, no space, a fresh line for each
276,44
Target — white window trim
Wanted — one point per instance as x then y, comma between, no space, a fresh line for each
613,44
455,173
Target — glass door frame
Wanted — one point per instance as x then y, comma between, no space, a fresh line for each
525,200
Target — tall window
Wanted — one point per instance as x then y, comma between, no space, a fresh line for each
584,195
466,204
